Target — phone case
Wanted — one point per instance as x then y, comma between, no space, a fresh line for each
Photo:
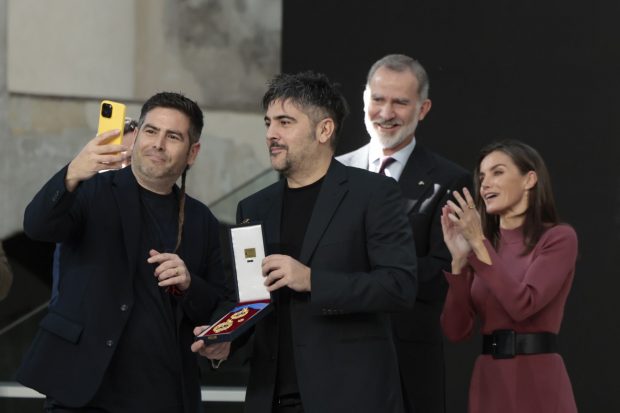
112,116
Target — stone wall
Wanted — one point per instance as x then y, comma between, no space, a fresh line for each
56,64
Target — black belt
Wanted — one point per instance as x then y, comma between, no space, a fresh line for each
503,344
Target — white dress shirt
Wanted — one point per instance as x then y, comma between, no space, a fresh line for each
395,169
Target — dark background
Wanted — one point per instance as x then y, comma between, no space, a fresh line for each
542,72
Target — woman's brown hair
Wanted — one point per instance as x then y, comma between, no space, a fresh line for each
541,212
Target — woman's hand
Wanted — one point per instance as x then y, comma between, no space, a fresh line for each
455,241
466,218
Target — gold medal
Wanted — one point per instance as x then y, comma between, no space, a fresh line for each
241,313
223,326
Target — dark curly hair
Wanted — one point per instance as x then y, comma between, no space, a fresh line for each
312,92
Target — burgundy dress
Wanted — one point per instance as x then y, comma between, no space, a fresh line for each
523,293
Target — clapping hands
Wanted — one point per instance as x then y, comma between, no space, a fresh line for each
462,228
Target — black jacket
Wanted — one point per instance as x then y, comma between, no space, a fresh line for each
427,182
99,227
357,245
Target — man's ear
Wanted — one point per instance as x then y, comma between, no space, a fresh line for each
193,152
325,130
425,107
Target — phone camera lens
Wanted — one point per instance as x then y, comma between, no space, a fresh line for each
106,110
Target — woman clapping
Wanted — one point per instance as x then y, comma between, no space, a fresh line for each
512,267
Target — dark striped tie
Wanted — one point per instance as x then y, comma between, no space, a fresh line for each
385,163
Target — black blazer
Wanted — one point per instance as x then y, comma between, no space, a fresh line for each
357,245
99,227
426,182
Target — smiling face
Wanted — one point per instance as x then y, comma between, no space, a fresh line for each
504,188
393,108
162,149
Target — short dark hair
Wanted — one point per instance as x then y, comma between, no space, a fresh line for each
313,92
173,100
541,211
400,63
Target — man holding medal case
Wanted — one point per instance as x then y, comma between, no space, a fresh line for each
252,297
337,263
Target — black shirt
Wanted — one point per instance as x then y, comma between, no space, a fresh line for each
146,372
297,207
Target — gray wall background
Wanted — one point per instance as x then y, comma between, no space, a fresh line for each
59,59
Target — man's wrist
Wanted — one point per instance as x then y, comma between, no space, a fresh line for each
71,181
309,283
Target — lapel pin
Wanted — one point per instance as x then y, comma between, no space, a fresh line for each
421,183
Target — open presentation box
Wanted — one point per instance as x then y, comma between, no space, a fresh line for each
253,298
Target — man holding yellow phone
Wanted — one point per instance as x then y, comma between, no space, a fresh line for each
139,266
112,117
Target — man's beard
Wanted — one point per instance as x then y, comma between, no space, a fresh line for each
286,167
392,140
152,171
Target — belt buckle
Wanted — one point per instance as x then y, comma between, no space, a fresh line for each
504,344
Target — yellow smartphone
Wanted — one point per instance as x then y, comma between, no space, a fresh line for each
112,116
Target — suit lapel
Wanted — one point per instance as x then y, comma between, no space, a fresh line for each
271,211
331,194
416,179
